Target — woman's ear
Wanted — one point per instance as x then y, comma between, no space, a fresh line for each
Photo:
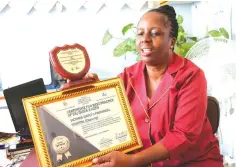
172,43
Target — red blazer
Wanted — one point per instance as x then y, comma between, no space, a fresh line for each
175,115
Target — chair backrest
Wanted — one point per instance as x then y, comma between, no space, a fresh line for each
213,113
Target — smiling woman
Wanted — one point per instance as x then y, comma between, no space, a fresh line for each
168,97
161,30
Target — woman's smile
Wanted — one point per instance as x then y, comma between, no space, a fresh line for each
146,52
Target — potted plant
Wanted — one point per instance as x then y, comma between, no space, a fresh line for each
183,42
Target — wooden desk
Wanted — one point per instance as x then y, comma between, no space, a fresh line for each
31,160
4,161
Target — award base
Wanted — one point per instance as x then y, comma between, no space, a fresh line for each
77,83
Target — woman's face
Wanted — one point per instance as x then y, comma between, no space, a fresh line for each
153,38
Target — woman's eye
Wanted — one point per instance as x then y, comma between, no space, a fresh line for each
139,33
154,33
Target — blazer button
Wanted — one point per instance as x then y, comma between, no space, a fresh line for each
146,120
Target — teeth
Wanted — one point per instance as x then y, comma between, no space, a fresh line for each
147,50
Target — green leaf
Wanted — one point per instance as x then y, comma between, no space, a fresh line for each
137,58
136,52
126,28
214,33
106,38
180,19
176,48
193,39
224,33
187,45
184,48
132,44
127,45
128,48
120,49
180,38
179,50
181,29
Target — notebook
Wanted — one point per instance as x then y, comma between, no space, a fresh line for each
14,96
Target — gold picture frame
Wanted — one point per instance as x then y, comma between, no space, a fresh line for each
71,127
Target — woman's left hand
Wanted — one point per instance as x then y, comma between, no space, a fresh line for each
113,159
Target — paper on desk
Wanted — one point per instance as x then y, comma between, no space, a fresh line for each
6,123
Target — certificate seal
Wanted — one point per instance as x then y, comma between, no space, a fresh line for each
61,145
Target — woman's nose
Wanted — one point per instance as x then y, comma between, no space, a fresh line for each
146,38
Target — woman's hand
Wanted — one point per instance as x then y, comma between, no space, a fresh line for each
114,159
92,76
88,76
155,153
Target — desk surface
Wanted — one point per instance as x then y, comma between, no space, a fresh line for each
4,162
24,161
31,159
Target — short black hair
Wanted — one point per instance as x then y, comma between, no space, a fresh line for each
169,11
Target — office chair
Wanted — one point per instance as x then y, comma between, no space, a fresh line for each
213,113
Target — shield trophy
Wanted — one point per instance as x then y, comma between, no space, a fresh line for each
72,63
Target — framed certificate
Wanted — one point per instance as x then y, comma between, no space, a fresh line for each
72,126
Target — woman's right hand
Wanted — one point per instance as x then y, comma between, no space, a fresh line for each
92,76
88,76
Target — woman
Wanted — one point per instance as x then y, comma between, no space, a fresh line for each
168,96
